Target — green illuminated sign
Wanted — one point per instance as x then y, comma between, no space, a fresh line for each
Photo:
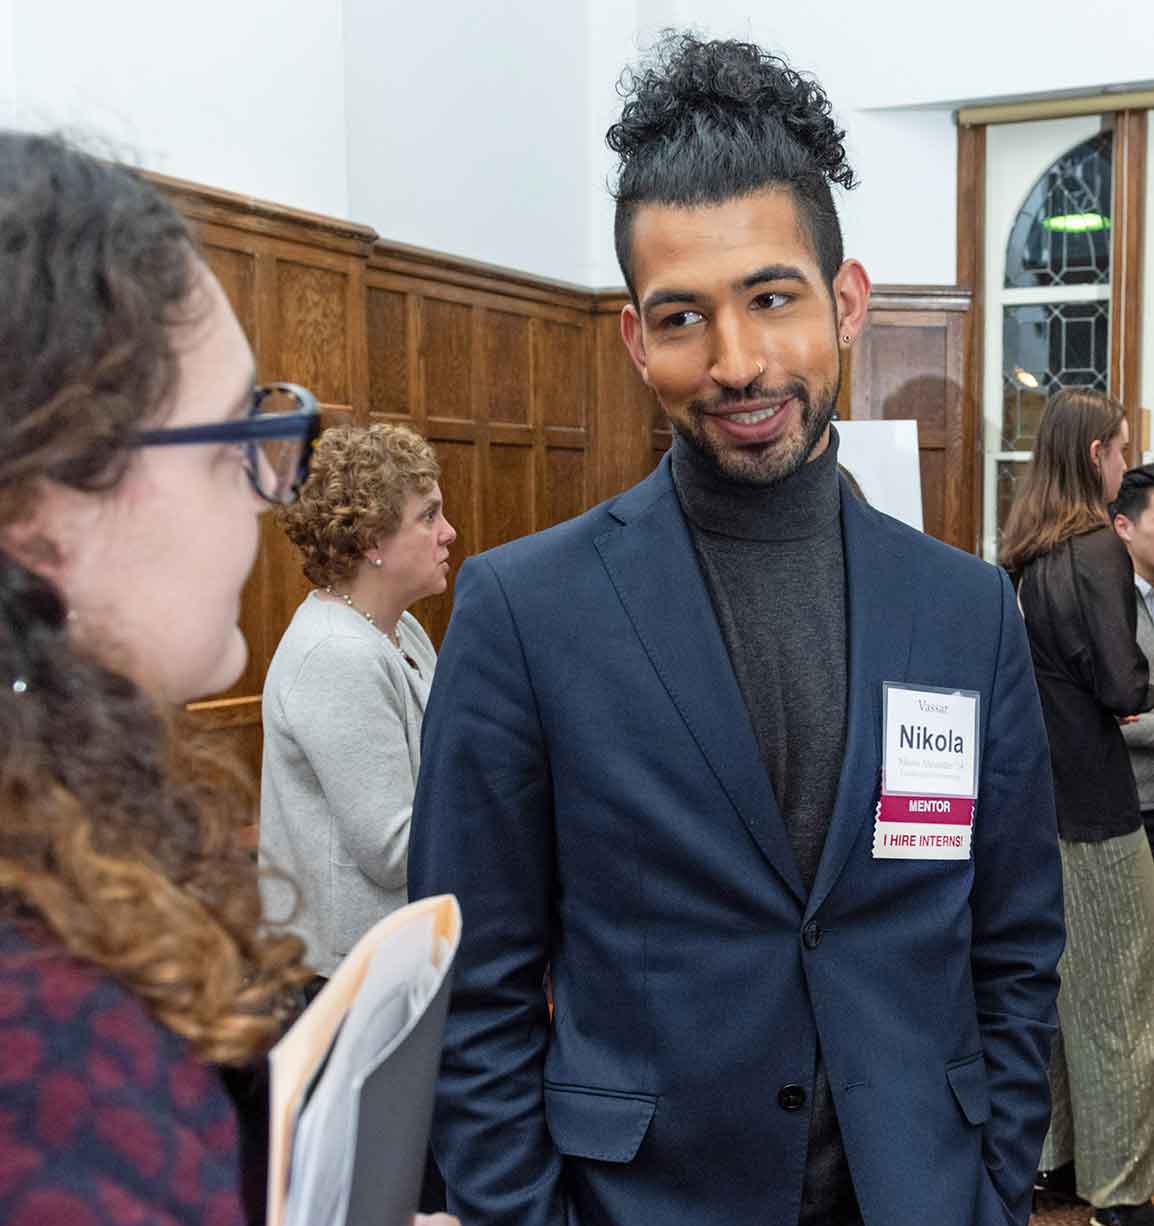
1076,223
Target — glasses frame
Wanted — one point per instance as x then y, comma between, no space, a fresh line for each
252,430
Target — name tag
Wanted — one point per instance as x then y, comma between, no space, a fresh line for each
929,773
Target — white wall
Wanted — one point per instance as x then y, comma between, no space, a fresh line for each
6,22
468,129
242,94
479,130
894,71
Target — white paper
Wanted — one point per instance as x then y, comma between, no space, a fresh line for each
883,457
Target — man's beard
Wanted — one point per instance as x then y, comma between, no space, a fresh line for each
762,463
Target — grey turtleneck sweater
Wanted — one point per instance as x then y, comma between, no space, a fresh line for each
773,561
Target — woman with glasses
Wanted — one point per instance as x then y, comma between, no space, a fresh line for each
1076,590
134,959
347,687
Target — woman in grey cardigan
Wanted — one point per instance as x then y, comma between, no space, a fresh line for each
346,689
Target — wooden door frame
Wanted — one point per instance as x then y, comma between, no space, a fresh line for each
1127,266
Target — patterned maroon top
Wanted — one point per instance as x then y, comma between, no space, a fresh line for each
106,1118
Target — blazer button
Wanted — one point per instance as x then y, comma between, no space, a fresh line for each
811,935
791,1098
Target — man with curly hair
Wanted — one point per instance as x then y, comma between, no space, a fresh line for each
654,753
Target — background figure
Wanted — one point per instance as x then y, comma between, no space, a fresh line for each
1076,590
133,956
346,689
1134,522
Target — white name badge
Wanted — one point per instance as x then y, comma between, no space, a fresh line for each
929,773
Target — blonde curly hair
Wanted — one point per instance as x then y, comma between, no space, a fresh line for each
359,480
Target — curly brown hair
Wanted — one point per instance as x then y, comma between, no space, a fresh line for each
118,830
359,479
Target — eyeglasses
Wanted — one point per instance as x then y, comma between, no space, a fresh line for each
278,433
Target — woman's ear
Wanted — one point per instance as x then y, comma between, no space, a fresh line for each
40,540
1096,453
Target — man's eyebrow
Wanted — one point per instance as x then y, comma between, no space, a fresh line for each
772,272
662,297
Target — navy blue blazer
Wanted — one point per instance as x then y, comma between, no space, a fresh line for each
593,793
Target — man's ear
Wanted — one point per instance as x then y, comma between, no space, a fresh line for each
851,300
632,336
1124,527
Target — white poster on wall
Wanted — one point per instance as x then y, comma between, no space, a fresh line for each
883,458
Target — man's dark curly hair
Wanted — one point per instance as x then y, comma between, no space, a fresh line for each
704,122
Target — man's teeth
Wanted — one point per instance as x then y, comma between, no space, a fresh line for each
751,419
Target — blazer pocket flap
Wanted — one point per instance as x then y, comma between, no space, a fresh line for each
971,1088
605,1126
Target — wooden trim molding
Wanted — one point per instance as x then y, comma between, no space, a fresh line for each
971,264
1055,108
1129,240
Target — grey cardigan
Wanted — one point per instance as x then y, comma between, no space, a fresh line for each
1140,734
342,747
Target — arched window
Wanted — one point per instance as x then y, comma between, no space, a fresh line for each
1053,299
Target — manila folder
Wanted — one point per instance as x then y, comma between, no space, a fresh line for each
354,1078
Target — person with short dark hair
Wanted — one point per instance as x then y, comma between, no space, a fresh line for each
654,759
1134,522
1076,592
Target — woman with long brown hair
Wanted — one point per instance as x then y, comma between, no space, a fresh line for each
1076,590
136,458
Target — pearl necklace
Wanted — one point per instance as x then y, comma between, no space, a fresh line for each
393,636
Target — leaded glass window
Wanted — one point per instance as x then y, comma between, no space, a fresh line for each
1061,236
1051,289
1047,346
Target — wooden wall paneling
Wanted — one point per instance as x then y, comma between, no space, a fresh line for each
507,387
1126,278
498,371
447,365
295,283
971,263
563,442
388,320
910,363
622,407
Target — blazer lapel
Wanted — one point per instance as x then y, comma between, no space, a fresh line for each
879,625
653,566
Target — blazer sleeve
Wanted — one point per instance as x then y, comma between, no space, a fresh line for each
1119,674
483,830
1016,905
